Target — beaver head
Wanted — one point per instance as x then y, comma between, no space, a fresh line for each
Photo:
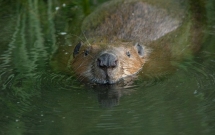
119,35
117,31
107,64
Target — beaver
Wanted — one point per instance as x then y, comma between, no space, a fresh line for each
124,38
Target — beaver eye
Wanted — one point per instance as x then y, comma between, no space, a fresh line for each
86,52
128,54
77,48
140,49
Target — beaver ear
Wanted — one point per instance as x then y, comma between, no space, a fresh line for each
140,49
76,49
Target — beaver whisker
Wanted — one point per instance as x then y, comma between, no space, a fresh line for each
78,67
87,73
123,61
84,73
90,55
127,68
95,80
77,37
86,38
124,67
81,64
127,71
79,78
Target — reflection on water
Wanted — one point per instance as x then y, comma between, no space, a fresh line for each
36,100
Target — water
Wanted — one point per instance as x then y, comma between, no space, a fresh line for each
34,99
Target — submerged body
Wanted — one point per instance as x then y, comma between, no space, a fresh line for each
124,37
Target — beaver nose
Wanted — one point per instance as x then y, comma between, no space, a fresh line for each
107,60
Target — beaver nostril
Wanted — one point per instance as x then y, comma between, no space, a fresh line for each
114,64
100,63
107,60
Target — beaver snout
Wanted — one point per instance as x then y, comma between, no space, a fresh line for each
107,60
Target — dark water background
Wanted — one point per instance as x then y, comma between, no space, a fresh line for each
34,100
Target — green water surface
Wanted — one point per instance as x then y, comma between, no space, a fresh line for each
35,100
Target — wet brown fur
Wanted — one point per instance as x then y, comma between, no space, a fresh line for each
165,31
